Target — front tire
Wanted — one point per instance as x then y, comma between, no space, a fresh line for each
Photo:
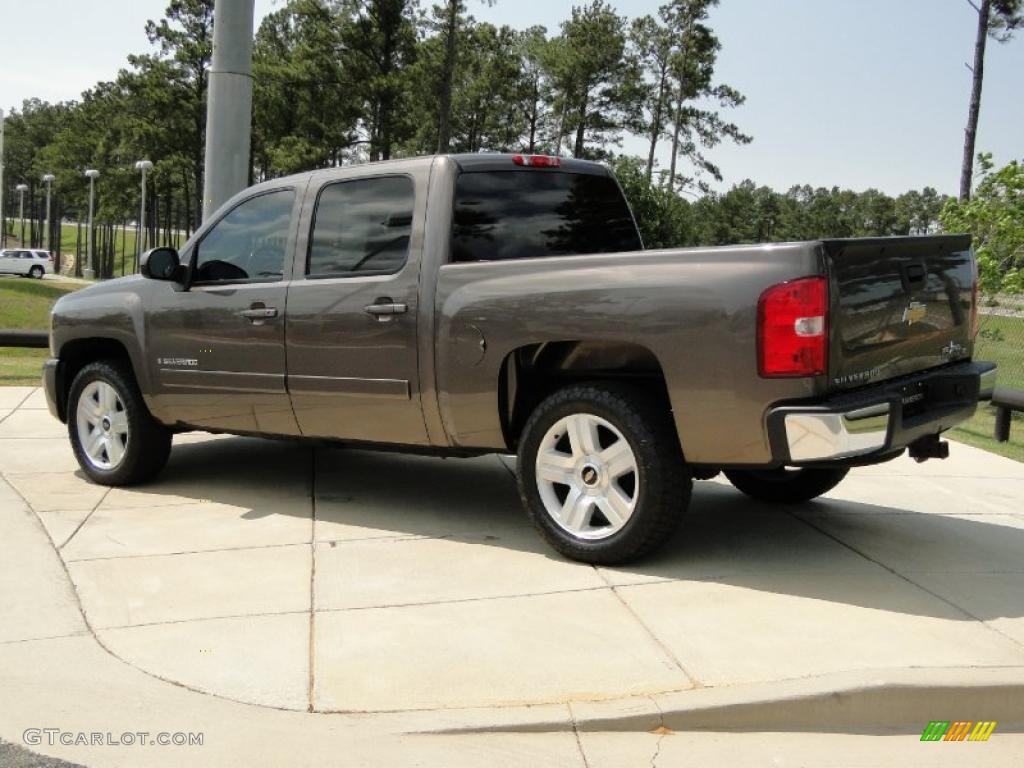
601,473
115,438
786,485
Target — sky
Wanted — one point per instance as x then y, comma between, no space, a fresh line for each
855,93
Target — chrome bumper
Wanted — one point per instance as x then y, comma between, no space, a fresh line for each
881,420
987,384
813,436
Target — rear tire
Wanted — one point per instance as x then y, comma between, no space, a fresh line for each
115,438
786,485
601,473
37,272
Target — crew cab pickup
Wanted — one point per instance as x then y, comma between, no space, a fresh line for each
494,303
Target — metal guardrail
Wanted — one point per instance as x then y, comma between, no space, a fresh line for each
29,339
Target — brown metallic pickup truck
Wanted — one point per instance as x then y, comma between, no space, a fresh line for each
489,303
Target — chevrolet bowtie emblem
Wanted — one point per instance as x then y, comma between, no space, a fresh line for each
916,311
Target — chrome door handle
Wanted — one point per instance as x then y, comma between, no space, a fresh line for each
256,315
387,309
259,312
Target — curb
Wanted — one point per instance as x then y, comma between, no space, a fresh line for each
862,702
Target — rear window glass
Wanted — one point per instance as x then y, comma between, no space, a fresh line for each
526,214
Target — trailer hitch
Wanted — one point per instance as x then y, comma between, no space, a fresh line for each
928,447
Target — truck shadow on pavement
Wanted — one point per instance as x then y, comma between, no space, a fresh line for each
837,550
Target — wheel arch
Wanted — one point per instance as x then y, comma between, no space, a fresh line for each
531,372
75,354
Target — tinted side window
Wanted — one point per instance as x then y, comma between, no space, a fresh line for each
250,242
523,214
362,227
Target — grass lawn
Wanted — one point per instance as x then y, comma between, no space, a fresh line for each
25,305
124,245
979,429
1001,341
1007,349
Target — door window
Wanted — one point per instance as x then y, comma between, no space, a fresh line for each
249,243
362,227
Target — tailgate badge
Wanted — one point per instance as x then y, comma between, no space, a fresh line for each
914,312
953,351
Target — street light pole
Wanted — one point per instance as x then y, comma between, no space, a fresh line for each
48,181
142,165
3,221
90,271
21,189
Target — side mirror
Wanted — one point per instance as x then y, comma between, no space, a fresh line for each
161,264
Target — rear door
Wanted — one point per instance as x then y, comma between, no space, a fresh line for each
9,262
899,305
218,347
352,309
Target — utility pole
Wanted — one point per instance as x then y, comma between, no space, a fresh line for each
48,181
229,104
142,165
90,272
21,189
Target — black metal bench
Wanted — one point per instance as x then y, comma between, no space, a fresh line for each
1006,401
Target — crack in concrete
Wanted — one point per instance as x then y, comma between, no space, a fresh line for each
14,410
85,519
576,734
908,580
694,682
661,730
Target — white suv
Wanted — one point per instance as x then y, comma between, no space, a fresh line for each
26,262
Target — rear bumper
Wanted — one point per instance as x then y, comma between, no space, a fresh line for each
878,421
51,370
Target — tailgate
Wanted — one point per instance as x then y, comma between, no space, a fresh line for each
898,305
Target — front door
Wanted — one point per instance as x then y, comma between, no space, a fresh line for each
218,347
352,362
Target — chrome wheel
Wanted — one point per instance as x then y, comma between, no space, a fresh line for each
587,476
102,425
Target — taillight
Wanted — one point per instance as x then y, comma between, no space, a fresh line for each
537,161
792,328
974,300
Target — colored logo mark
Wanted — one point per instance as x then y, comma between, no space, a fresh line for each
958,730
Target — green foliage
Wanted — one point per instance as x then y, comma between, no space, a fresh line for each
994,216
664,218
594,81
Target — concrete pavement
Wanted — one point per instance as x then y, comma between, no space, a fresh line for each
289,601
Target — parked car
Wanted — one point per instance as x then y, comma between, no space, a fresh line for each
26,262
475,304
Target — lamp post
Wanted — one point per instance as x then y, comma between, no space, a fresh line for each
21,189
90,272
144,166
3,225
48,179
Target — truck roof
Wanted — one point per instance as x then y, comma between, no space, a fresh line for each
478,161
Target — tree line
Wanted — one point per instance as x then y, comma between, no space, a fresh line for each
346,81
